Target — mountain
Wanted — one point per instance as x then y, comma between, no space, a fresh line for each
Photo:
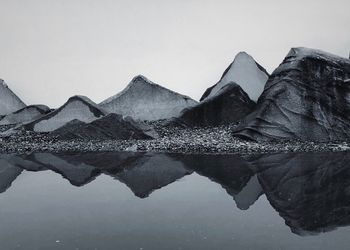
229,105
145,100
244,71
26,114
9,102
112,126
76,108
307,98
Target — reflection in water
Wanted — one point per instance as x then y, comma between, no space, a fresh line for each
310,191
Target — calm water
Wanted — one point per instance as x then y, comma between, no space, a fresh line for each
159,201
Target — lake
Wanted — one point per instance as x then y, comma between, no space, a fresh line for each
173,201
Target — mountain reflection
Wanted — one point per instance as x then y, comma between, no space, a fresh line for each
310,191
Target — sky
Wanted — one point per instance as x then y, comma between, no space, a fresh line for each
53,49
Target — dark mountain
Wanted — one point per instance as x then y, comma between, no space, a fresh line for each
307,97
112,126
229,105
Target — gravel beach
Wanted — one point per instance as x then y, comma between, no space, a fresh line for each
171,140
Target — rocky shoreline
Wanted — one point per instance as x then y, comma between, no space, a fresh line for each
171,140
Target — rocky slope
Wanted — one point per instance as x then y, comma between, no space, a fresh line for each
145,100
109,127
76,108
26,114
9,102
244,71
307,98
227,106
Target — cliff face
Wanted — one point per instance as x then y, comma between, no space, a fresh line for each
229,105
307,97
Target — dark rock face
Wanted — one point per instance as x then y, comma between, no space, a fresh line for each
230,105
309,190
307,97
112,126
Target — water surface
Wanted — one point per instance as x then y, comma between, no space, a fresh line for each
169,201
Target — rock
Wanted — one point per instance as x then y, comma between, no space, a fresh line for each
306,98
26,114
9,101
229,105
112,126
147,101
244,71
76,108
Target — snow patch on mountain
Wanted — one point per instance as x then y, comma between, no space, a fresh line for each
244,71
145,100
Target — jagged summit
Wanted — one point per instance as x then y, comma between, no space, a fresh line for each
76,108
246,72
9,101
305,98
144,100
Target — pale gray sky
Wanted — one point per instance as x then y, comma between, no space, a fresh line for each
53,49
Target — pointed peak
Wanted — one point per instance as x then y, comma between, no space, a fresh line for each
141,79
3,83
242,54
85,100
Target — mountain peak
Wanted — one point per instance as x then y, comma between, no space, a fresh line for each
141,78
246,72
143,99
9,101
